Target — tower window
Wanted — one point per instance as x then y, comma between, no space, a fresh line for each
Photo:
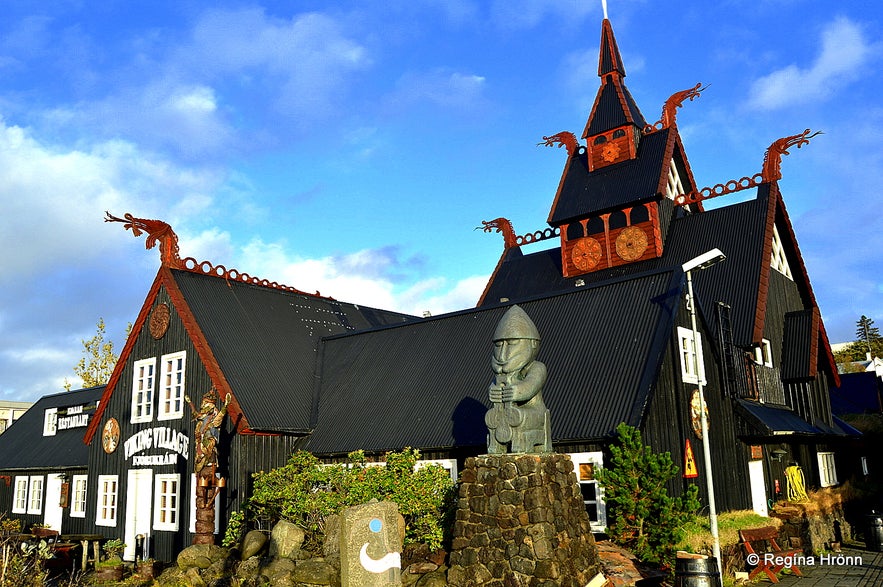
600,140
779,261
674,187
618,133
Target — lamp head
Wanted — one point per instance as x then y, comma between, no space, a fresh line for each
704,261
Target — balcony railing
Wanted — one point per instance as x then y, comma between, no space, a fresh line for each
762,383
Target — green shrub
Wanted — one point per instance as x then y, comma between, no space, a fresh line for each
645,518
306,492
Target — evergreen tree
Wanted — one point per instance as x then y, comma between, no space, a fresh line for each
645,518
867,333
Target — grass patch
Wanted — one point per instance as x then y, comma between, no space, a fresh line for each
697,532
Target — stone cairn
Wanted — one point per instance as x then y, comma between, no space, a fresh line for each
521,522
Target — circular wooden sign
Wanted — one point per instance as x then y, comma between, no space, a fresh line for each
159,320
586,253
110,436
631,243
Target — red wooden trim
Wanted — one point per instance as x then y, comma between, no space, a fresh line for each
765,265
205,353
124,355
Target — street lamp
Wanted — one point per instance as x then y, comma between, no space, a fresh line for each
704,261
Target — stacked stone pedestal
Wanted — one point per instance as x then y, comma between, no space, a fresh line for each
521,522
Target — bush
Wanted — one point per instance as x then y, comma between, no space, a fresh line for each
646,519
306,492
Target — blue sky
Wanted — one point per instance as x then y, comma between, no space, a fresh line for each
353,147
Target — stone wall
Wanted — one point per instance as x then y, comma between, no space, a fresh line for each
521,522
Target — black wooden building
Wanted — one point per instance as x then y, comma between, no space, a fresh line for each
44,462
605,286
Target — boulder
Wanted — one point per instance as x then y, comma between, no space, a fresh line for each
201,556
286,540
316,572
253,543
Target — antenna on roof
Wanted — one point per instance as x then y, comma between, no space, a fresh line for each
604,6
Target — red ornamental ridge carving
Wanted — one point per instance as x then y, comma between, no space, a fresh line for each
675,101
500,225
158,230
772,160
563,138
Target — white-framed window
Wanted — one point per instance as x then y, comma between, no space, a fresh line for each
193,505
78,496
674,187
779,261
35,495
763,354
449,465
142,390
166,508
827,469
20,497
688,352
50,421
171,386
586,465
106,510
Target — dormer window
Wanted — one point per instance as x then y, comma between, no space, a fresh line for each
618,133
600,140
779,261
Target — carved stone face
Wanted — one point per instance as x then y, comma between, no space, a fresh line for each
513,354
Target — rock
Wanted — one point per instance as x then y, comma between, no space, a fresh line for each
433,579
253,543
285,540
278,567
331,547
316,572
249,570
422,567
201,556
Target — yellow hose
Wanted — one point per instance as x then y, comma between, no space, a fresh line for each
796,483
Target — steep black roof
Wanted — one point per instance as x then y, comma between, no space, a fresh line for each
737,230
583,193
425,384
24,447
859,393
265,340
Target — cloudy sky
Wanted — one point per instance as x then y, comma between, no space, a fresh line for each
353,147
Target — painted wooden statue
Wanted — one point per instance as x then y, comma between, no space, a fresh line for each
208,418
518,421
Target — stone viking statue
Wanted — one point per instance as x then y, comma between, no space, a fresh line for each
518,421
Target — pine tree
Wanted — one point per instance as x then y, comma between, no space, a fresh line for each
646,519
98,360
867,333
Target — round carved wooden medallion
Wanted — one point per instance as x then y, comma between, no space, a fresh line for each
586,253
696,413
631,243
110,436
159,320
610,152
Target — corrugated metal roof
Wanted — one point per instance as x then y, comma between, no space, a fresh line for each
23,445
774,421
265,342
585,193
737,230
426,384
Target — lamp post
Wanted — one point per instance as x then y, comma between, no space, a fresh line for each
704,261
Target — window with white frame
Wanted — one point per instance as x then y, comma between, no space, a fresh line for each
171,387
142,390
586,465
20,498
827,469
50,421
674,187
688,352
108,487
78,496
763,354
35,495
166,502
779,261
449,465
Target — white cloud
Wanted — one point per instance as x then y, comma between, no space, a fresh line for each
448,89
370,277
524,14
843,57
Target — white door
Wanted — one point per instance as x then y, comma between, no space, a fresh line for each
758,487
53,511
139,502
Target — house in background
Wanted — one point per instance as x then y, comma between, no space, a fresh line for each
44,462
10,412
603,282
